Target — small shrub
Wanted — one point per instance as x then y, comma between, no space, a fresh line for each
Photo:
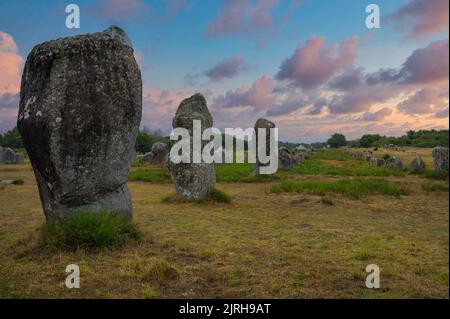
160,271
386,157
89,230
328,202
219,196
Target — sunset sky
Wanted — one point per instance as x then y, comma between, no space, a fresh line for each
311,66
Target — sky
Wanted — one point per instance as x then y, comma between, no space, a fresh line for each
310,66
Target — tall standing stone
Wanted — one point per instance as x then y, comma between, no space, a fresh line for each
80,109
440,158
193,180
262,123
417,164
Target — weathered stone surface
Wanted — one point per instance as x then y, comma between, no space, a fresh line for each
367,157
9,156
286,160
440,158
395,163
377,161
417,164
80,109
19,158
159,154
262,123
193,180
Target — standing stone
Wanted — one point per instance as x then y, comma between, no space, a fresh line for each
417,164
193,180
262,123
368,157
395,163
285,159
159,154
80,109
440,158
9,156
377,161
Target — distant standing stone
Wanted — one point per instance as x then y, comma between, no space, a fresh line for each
395,163
9,156
377,161
285,159
440,158
193,180
417,164
159,154
19,158
80,109
262,123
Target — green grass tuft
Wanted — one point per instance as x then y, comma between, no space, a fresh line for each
435,187
89,230
354,188
151,174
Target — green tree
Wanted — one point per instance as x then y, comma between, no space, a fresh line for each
143,142
337,140
368,140
12,139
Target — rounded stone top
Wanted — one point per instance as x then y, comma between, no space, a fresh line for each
192,108
264,123
113,34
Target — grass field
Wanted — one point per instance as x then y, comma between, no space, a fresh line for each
308,233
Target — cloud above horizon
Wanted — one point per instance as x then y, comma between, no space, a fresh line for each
241,17
422,18
313,63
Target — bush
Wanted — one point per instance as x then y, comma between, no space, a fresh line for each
435,187
89,230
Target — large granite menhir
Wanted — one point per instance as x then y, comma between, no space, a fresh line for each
193,180
80,109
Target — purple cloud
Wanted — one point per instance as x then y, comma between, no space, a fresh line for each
422,18
425,101
348,80
9,100
442,114
313,64
242,17
377,116
226,69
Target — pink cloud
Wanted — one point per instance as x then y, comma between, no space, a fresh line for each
348,80
425,101
259,95
10,65
429,64
377,116
313,64
422,18
118,9
242,17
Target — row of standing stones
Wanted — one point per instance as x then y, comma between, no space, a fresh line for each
8,156
79,114
440,159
